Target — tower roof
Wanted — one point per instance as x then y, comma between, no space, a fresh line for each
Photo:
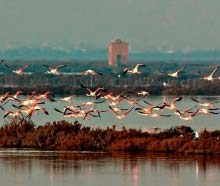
118,40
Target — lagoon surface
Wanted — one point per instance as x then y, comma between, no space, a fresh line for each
133,120
24,168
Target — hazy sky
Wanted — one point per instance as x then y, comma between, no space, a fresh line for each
146,24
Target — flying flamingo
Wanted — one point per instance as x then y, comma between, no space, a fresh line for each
74,112
210,76
175,74
4,97
30,100
121,116
92,93
15,96
54,70
143,93
132,101
207,111
19,71
172,106
89,103
149,111
134,70
140,93
66,115
67,99
69,110
179,113
45,96
34,108
188,117
116,109
113,100
90,72
12,114
205,104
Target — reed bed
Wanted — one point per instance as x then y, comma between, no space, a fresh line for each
62,135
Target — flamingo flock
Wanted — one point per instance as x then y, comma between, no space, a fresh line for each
25,106
131,71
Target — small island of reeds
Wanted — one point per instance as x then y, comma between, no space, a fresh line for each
62,135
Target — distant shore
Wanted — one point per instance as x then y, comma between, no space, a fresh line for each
74,137
153,90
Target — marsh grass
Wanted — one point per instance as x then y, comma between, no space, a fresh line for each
63,135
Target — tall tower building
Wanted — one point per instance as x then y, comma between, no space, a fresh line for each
118,53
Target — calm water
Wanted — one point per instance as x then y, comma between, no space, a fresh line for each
24,168
133,120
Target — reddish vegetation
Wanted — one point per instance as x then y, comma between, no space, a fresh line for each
66,136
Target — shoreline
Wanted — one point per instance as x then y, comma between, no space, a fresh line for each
154,90
64,136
